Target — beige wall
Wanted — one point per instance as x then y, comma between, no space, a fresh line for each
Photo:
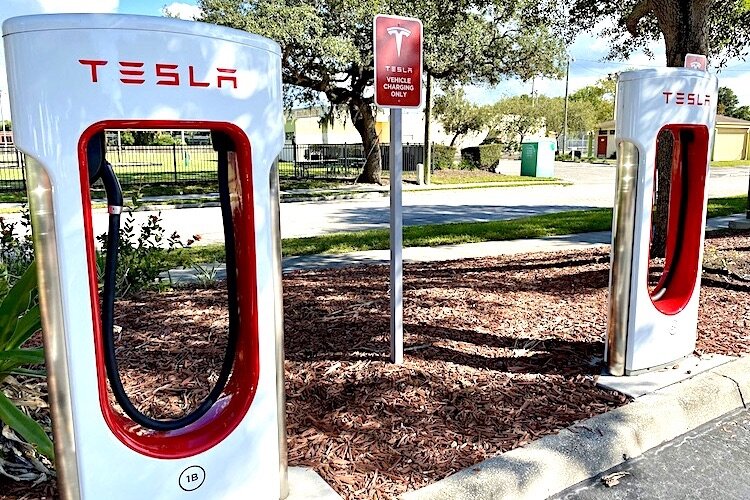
729,144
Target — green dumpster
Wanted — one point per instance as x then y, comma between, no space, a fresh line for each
538,157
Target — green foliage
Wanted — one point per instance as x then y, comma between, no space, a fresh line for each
146,138
442,156
127,139
719,29
729,105
327,46
8,125
20,319
485,156
600,97
142,255
16,248
163,139
457,115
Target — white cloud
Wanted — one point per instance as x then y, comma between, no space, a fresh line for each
182,10
13,8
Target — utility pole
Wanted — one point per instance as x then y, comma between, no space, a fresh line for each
565,118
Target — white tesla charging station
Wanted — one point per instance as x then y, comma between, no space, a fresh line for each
651,327
71,77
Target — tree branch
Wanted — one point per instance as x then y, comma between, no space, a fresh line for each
640,10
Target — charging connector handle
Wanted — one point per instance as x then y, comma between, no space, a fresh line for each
115,202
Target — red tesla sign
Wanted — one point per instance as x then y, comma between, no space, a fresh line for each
398,61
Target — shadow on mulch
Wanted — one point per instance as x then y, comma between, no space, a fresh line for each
498,352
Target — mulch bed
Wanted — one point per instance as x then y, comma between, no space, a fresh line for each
499,352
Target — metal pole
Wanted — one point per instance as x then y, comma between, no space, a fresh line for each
565,119
427,143
2,118
395,158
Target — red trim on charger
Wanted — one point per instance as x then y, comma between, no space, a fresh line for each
239,393
676,285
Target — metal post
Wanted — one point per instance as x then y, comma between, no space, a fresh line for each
396,218
2,118
174,160
427,145
565,118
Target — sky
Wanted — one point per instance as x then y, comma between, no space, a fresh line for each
586,67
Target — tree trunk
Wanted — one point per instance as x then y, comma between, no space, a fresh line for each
660,215
363,119
683,24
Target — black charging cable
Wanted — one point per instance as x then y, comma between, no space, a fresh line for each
100,168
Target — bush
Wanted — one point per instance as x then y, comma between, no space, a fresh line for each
442,156
140,257
485,156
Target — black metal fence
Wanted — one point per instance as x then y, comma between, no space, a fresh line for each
195,164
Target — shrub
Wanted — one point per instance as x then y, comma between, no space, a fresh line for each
16,249
485,156
442,156
141,256
21,320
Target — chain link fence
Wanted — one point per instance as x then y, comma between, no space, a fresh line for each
197,164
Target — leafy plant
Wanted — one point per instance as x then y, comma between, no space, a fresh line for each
16,249
141,253
20,319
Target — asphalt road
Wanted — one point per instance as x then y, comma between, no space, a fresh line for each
593,186
710,462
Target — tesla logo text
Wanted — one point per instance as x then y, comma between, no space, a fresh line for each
136,73
686,98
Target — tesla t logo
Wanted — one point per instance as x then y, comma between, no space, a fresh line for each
136,73
690,99
398,33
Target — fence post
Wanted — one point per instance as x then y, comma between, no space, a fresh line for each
174,160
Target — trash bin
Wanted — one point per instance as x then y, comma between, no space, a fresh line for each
538,157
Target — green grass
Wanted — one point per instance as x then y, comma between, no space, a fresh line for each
537,226
477,176
732,163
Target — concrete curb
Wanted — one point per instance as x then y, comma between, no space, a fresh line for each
556,462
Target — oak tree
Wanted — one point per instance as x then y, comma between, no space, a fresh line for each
327,47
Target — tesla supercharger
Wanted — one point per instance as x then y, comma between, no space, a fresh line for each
71,77
650,327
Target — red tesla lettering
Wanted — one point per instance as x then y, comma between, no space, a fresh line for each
698,100
221,78
171,77
707,99
691,99
680,98
93,64
131,72
666,97
193,83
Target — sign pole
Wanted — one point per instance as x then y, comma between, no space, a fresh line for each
395,163
397,44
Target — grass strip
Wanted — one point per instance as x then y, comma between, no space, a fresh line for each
536,226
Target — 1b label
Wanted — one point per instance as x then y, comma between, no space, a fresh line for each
192,478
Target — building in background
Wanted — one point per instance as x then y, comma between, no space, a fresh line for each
731,143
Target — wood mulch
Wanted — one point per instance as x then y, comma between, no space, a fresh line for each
499,352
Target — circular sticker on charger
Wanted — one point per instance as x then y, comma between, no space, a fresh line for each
192,478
